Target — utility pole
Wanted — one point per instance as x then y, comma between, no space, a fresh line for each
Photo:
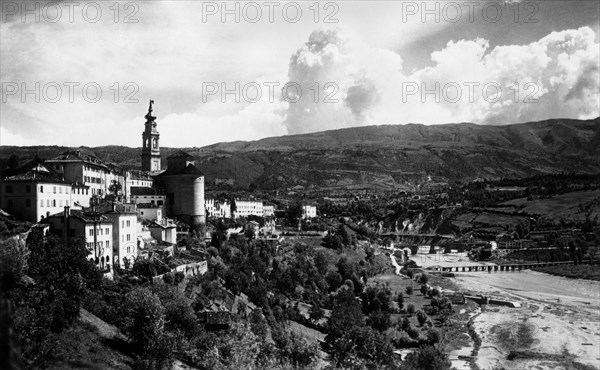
95,223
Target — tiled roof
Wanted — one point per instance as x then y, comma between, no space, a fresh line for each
189,170
180,154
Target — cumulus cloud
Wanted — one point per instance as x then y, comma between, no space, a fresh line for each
556,76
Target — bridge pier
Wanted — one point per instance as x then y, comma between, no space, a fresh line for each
463,269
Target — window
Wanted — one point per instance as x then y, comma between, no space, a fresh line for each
42,203
100,244
53,202
28,203
122,224
128,250
107,244
28,188
128,237
128,223
60,202
54,189
91,232
60,190
47,202
41,188
122,238
106,231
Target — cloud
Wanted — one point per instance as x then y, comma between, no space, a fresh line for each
556,76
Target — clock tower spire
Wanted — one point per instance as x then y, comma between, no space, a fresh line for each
150,148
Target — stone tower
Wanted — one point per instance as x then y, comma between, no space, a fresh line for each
150,148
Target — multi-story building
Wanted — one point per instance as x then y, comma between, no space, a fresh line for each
164,231
77,167
309,212
246,207
136,179
124,241
148,212
218,209
268,210
143,195
37,193
95,229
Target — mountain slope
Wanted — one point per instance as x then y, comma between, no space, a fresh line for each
387,156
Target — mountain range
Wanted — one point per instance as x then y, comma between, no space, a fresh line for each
381,157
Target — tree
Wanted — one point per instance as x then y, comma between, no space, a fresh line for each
44,309
409,290
422,317
400,300
345,314
424,289
316,312
332,241
410,309
115,187
13,263
145,327
426,358
343,234
379,320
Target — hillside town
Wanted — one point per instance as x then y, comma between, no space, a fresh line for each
295,263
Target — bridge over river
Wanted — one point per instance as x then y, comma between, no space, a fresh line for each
506,267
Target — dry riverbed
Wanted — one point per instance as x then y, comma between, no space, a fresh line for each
556,327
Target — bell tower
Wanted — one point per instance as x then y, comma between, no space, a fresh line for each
150,148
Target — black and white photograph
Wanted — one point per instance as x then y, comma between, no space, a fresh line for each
309,184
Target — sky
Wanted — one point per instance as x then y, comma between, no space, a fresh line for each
82,73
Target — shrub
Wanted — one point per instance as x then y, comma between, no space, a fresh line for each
423,278
422,317
409,290
400,300
410,309
424,289
427,357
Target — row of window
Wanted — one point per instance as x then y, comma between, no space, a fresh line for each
126,235
123,223
100,244
106,231
93,180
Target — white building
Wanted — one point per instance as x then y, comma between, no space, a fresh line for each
217,209
124,240
268,210
96,230
144,195
309,212
136,179
244,208
36,194
77,167
149,212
